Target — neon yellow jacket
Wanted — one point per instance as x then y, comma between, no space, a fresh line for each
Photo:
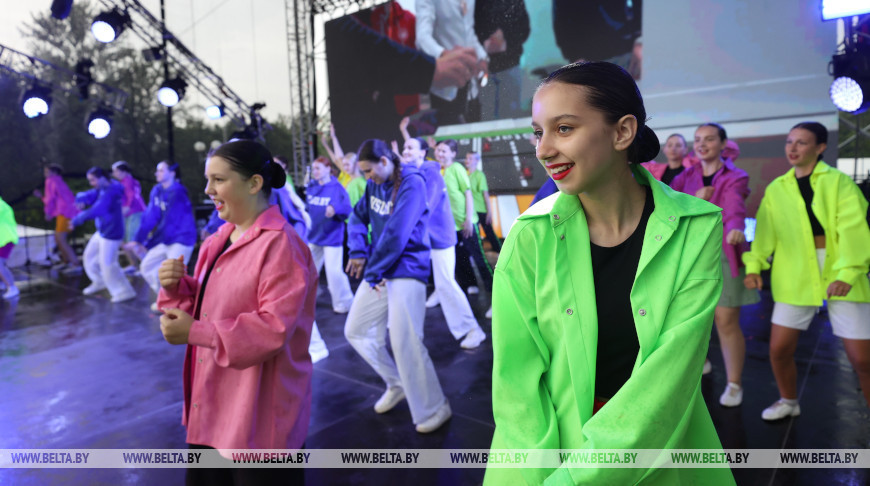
783,229
8,228
545,332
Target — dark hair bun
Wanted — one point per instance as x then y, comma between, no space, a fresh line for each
645,146
277,176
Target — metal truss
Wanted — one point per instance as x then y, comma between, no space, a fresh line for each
32,70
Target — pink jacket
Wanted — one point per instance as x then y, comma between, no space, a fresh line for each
132,195
58,199
730,190
657,169
247,373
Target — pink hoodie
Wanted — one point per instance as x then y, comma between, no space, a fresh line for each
58,199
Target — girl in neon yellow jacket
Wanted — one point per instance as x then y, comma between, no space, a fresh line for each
812,220
553,312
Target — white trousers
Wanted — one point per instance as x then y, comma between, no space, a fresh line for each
336,279
454,303
102,267
402,311
154,258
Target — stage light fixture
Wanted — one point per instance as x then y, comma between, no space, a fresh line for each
108,25
215,111
171,92
850,91
100,123
36,101
60,8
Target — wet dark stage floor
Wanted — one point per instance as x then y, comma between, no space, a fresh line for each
81,372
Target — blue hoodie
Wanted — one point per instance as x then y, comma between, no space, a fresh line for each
400,240
442,229
327,231
105,210
170,215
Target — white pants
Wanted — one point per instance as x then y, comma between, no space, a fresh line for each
154,258
454,303
336,279
102,267
402,310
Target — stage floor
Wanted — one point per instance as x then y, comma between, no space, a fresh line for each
80,372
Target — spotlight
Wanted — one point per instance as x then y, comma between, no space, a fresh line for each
36,101
215,111
108,25
60,8
100,123
850,90
171,92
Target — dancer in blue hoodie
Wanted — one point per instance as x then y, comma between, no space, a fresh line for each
101,252
168,229
442,237
396,264
329,205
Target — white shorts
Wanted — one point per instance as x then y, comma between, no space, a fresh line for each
849,320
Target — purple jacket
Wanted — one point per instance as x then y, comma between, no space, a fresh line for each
730,190
132,195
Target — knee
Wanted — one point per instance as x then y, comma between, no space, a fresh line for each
781,352
861,364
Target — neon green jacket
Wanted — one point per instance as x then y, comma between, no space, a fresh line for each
545,332
783,229
8,228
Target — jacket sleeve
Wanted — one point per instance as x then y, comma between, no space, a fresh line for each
129,187
765,240
50,197
341,204
252,338
150,218
100,205
679,182
734,203
425,27
853,233
408,209
358,228
525,417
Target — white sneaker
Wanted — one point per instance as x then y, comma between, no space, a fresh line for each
708,367
489,313
473,290
72,270
780,410
123,297
435,422
130,270
318,353
93,289
473,339
11,293
433,300
389,399
732,396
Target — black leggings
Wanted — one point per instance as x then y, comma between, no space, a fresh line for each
466,250
489,233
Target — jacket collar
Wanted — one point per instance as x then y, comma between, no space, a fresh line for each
270,219
820,168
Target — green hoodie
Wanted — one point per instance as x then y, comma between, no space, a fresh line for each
783,229
545,332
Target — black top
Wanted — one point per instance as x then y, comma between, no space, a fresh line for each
708,180
205,279
614,269
807,193
670,174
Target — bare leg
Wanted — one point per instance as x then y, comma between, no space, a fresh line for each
783,343
6,275
732,341
66,251
858,351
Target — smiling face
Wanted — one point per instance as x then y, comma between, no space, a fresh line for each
575,144
412,153
444,154
320,172
235,198
675,148
802,149
378,171
708,145
93,180
471,161
163,174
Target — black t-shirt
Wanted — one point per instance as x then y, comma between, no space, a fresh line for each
205,279
670,174
807,193
708,180
614,269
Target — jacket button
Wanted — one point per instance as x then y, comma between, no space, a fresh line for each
555,216
561,237
199,360
642,312
672,218
219,270
205,315
658,237
195,405
570,311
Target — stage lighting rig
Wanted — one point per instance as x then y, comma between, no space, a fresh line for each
36,101
109,25
99,123
215,111
83,78
171,92
850,67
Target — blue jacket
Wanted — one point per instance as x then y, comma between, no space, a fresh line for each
290,212
105,209
442,232
400,240
170,215
327,231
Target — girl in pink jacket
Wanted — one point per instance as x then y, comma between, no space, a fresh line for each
246,317
59,204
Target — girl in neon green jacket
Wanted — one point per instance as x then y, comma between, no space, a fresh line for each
8,239
548,329
825,257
